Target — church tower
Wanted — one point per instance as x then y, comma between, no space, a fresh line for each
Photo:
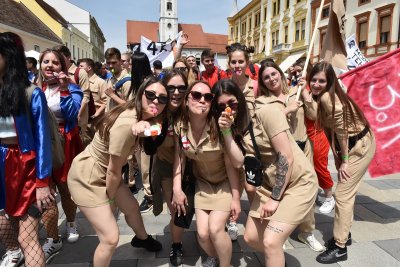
168,27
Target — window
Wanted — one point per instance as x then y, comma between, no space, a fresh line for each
169,25
36,48
363,2
362,34
287,4
78,54
384,31
325,12
322,39
73,51
237,30
169,6
275,38
385,17
286,34
250,25
265,13
297,35
243,28
257,19
274,9
279,7
232,33
303,29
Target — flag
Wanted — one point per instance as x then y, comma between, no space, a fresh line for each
333,49
354,56
375,87
155,50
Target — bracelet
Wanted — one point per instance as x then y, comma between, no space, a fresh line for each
271,197
345,157
111,201
226,132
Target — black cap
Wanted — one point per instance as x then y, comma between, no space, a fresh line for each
157,64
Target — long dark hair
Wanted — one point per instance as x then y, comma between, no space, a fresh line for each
238,47
140,70
262,88
210,118
60,58
350,108
242,120
105,124
168,76
15,77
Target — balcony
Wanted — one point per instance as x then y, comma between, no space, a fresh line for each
280,48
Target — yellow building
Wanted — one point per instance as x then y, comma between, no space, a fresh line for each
75,40
375,24
278,29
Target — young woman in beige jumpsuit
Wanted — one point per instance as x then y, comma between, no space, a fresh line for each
354,147
273,85
217,181
95,180
161,173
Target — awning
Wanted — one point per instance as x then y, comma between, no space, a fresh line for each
290,60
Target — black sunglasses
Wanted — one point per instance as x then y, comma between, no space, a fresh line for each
181,88
181,68
162,99
208,97
222,106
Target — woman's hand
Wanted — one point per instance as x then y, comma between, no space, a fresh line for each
343,174
63,80
139,128
44,197
109,91
179,201
293,107
268,209
235,210
225,121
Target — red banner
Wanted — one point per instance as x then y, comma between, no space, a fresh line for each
375,87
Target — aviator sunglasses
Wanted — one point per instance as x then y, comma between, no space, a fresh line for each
162,99
208,97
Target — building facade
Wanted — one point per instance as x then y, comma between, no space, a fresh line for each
168,28
278,29
83,21
375,24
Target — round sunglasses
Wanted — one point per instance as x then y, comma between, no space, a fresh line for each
196,96
162,99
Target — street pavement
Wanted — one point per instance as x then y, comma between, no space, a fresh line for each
375,233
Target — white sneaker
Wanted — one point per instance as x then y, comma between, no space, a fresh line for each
72,232
12,258
310,240
211,262
233,230
51,248
327,206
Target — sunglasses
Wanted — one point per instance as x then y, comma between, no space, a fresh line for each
222,106
196,96
181,88
162,99
181,68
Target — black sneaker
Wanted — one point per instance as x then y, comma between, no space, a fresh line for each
176,254
332,254
146,205
150,243
331,241
134,190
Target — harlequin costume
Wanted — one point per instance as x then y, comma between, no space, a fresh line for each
28,164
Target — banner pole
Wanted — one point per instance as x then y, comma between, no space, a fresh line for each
311,46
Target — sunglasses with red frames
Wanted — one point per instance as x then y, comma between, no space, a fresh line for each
222,106
162,99
208,97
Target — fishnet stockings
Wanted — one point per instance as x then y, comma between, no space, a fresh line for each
8,234
28,238
50,216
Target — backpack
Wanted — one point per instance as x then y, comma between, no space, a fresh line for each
91,105
57,139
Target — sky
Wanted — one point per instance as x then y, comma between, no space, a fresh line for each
112,18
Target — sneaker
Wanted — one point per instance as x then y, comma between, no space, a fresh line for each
333,254
310,240
51,248
150,243
211,262
327,206
176,254
12,258
233,230
332,241
134,189
146,205
72,232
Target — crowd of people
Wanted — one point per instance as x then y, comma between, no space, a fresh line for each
248,128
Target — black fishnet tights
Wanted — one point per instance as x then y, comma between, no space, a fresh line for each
8,234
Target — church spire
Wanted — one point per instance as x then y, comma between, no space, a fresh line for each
234,9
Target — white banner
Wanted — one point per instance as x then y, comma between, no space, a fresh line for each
354,56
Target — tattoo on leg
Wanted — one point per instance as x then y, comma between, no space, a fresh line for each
282,167
274,229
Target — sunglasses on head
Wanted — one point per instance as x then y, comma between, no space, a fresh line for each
162,99
181,68
181,88
222,106
208,97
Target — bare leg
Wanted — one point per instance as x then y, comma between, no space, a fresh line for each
328,192
219,238
176,232
203,232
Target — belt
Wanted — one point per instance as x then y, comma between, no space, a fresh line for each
301,144
9,141
352,139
